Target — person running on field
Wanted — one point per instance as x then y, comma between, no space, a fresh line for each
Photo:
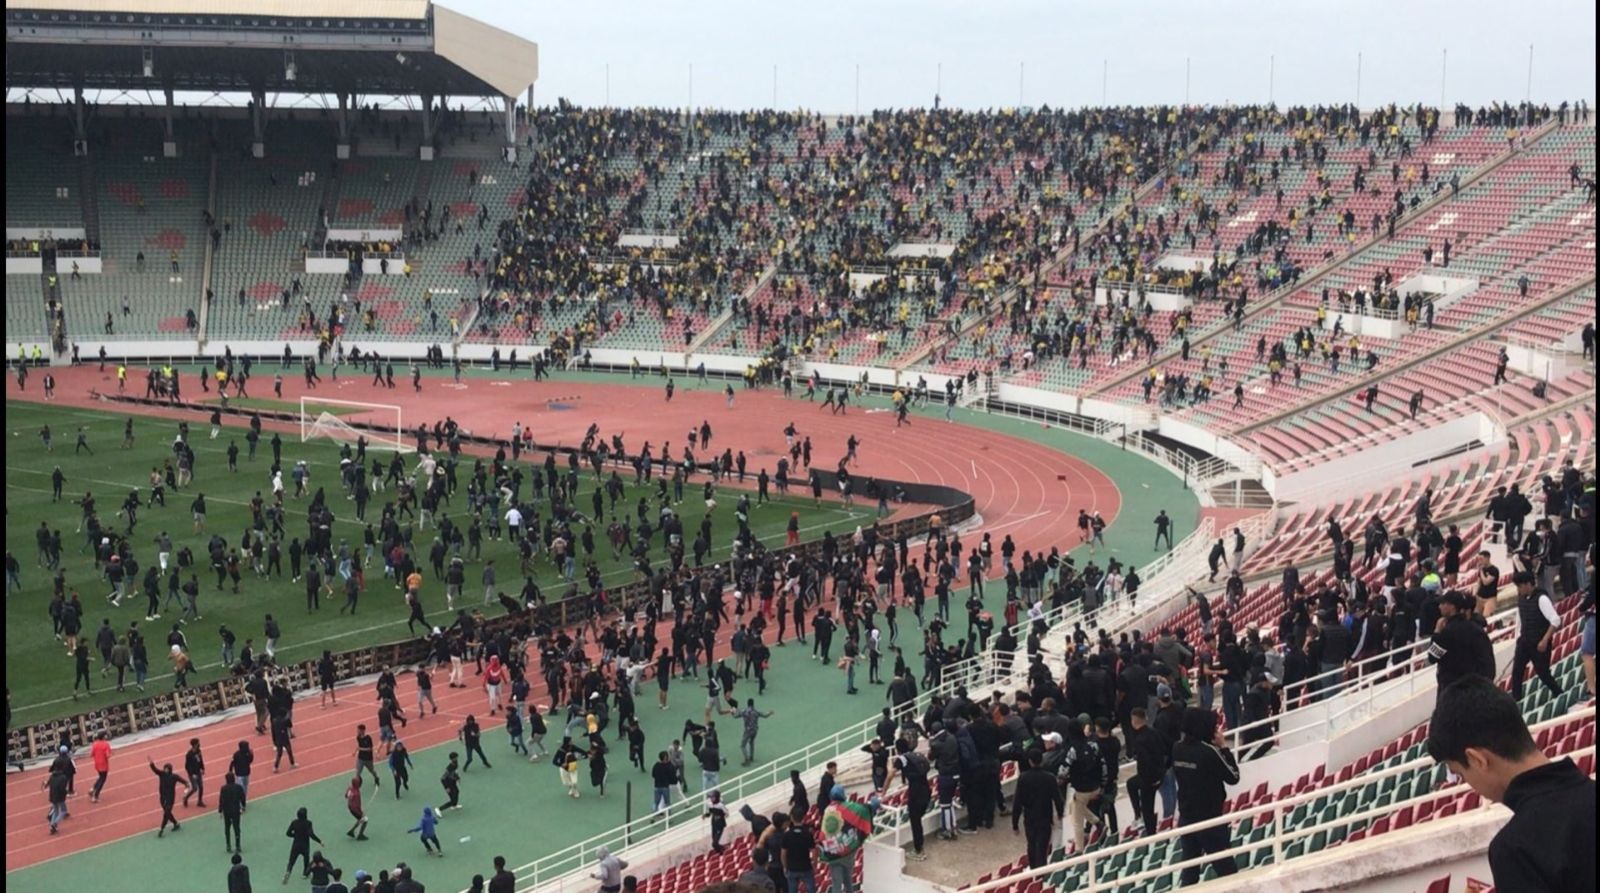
167,791
427,826
300,833
400,767
352,801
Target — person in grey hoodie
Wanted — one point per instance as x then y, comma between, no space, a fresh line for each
609,870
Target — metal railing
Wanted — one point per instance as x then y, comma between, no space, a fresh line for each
1164,577
1071,421
1269,848
1113,287
1407,663
1196,470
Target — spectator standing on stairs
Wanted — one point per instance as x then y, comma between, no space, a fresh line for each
1037,805
1460,646
1204,767
1538,623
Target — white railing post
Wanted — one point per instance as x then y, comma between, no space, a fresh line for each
1276,832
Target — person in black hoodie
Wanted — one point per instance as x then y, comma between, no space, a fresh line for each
1478,732
300,834
167,791
1204,767
1460,646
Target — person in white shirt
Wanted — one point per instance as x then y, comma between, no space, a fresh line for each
514,522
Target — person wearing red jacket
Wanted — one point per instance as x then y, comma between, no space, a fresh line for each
100,753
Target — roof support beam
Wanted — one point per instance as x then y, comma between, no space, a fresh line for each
426,152
80,124
511,127
342,149
258,122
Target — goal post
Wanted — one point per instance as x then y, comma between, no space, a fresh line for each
346,421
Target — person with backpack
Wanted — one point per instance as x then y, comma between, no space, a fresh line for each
945,755
1110,763
1085,769
910,764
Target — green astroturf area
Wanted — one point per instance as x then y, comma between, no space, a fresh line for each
38,670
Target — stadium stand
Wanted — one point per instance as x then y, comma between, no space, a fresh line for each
1313,276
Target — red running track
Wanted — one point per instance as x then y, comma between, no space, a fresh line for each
1020,488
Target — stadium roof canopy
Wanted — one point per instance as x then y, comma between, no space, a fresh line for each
364,47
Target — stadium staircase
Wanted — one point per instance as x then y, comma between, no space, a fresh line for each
1272,301
1445,346
1059,258
206,288
725,319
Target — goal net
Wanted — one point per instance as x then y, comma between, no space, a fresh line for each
347,421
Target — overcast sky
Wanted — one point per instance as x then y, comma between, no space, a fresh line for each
1052,51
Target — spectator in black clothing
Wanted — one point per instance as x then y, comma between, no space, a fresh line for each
167,789
1204,767
1539,621
230,804
503,881
1151,757
239,876
1038,804
300,834
1478,732
1460,646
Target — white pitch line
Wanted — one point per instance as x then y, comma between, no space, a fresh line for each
1022,520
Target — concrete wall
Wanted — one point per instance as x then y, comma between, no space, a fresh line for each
1377,462
1546,365
373,266
338,265
1366,326
1448,290
647,240
1201,439
881,867
86,265
369,234
1164,301
46,232
1404,861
